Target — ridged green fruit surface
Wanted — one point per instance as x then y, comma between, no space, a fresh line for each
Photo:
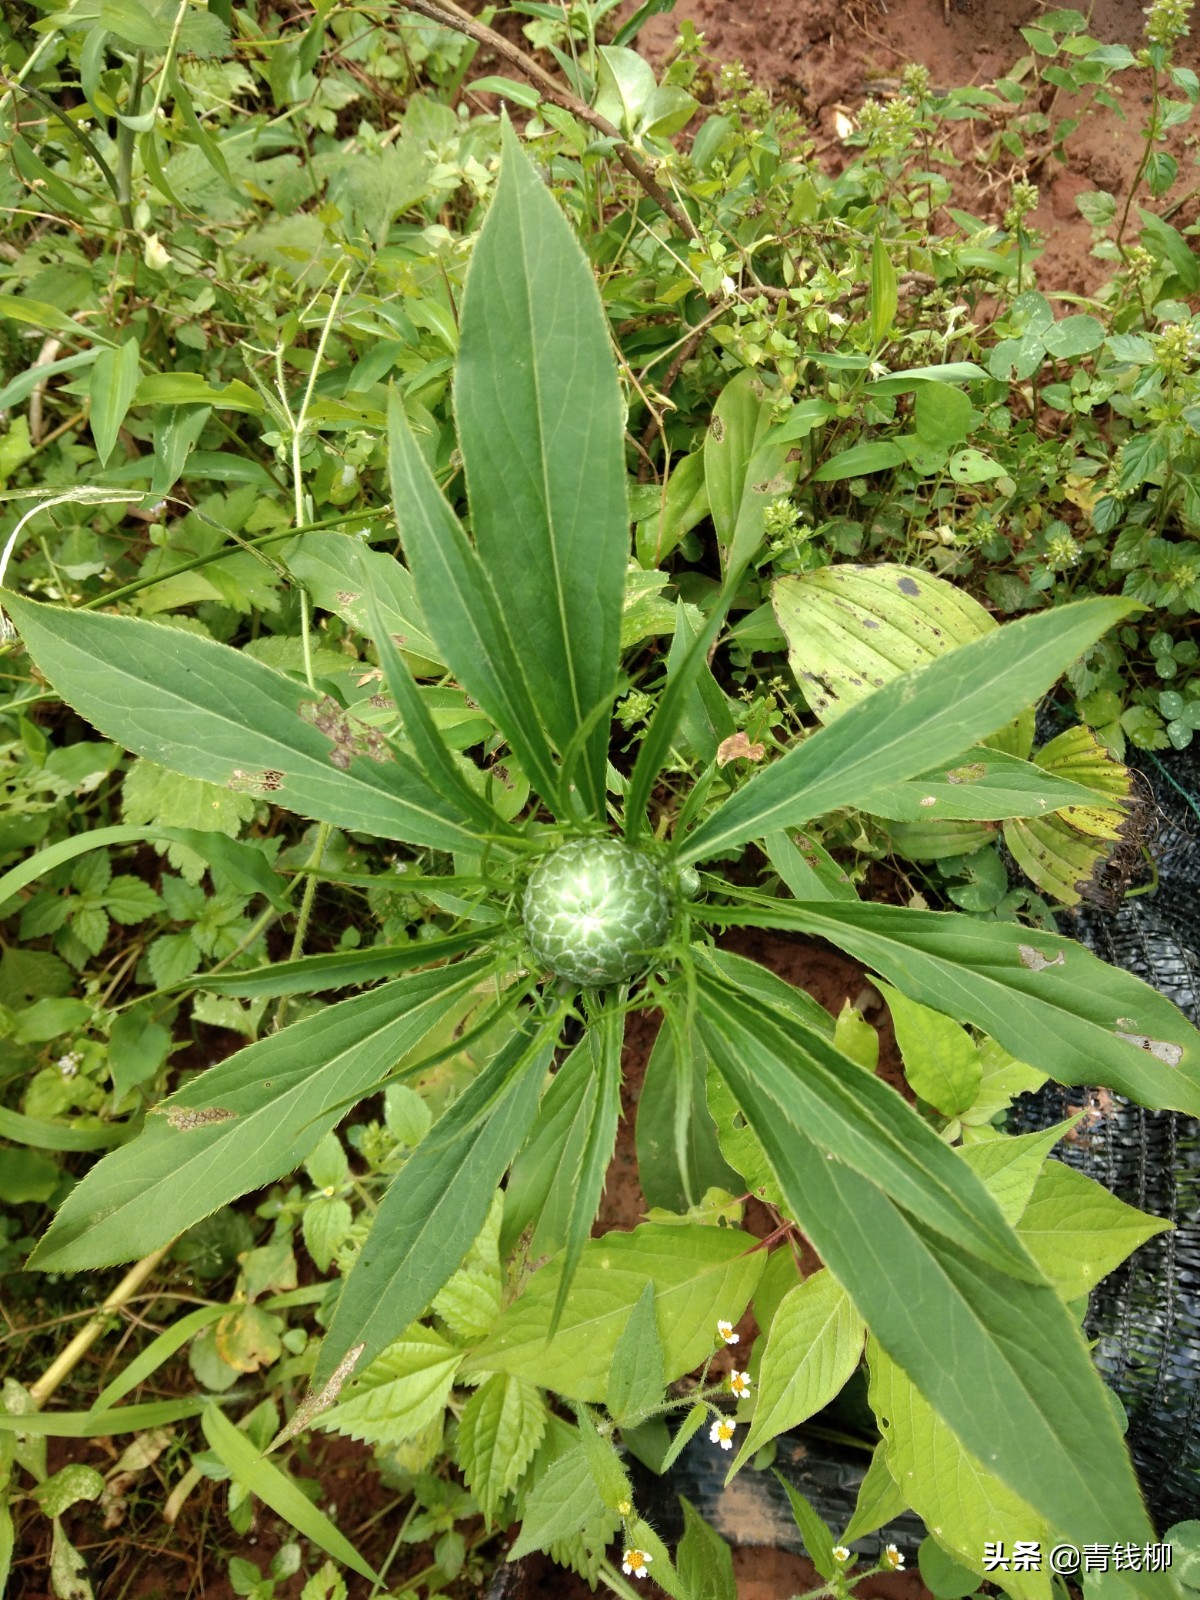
595,911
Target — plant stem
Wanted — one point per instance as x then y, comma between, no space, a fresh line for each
125,139
1135,182
448,15
67,1360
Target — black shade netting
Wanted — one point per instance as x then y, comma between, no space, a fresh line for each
1145,1316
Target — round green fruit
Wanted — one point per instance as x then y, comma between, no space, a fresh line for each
596,911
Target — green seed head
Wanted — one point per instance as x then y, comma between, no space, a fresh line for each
596,911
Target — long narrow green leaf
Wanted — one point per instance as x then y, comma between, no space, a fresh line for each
438,1203
43,1135
1000,1361
434,759
1044,998
244,1122
207,711
98,1424
927,716
668,713
983,785
337,970
242,862
594,1149
678,1154
113,385
780,1071
540,423
156,1352
746,466
275,1489
461,609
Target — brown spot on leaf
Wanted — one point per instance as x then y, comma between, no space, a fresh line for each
265,780
185,1119
717,428
908,586
970,773
346,597
1161,1049
348,735
1036,961
313,1404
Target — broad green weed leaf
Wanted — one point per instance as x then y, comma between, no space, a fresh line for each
470,1301
540,425
707,717
244,1122
210,712
931,714
818,1540
703,1559
438,1202
190,389
1078,1232
342,576
698,1273
562,1500
814,1344
113,384
677,1150
67,1487
500,1429
880,1499
400,1392
1009,1164
635,1378
1045,999
878,455
943,415
940,1059
624,85
884,291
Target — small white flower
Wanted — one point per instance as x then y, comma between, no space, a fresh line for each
722,1433
725,1329
892,1558
739,1384
635,1563
841,1554
728,287
836,319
